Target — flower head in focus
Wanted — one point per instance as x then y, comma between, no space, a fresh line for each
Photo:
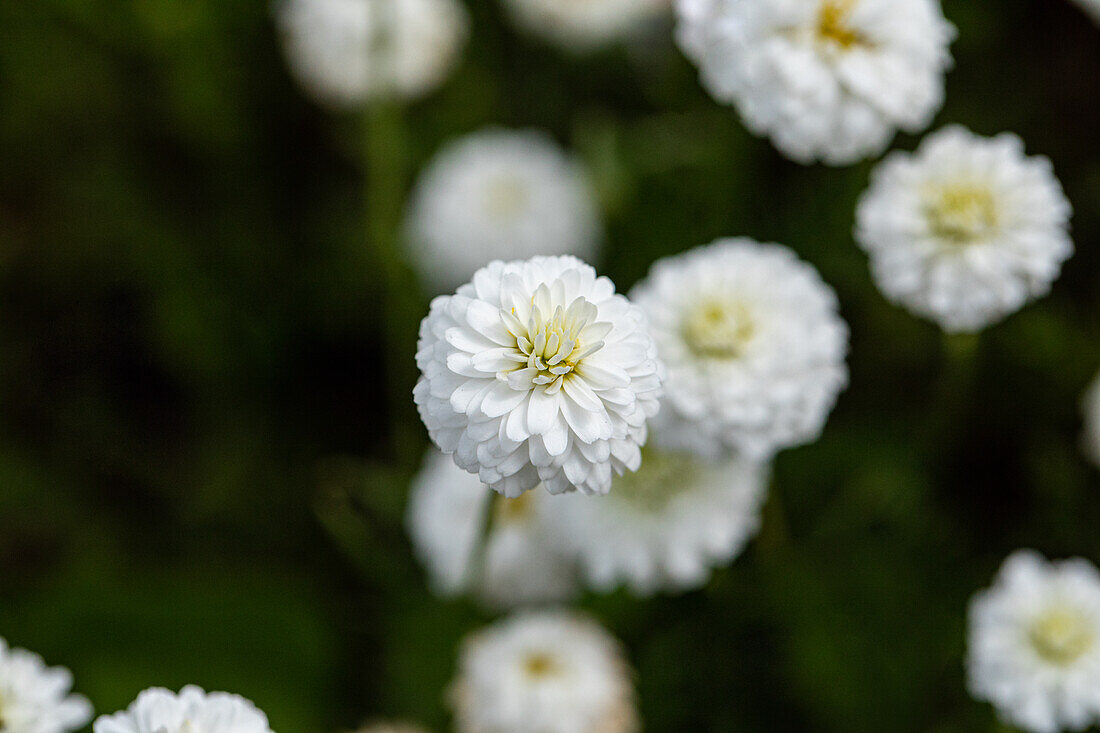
665,527
157,710
1034,644
498,194
470,539
828,80
551,672
753,345
537,371
966,230
580,26
348,52
35,698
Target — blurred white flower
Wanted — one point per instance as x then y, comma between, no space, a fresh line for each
35,698
498,194
550,672
537,371
157,710
665,527
1091,438
348,52
829,80
517,563
582,25
966,230
753,345
1034,649
1092,7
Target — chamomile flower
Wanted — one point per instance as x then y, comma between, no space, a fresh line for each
582,26
472,540
966,230
498,194
667,526
1091,439
348,52
753,345
1035,644
550,672
536,371
35,698
828,80
157,710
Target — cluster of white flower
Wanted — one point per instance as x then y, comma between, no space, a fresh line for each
1035,644
966,230
551,672
35,698
498,195
157,710
583,26
348,52
829,80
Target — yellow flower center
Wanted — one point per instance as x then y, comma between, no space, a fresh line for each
662,477
1061,635
961,213
505,197
719,328
832,25
514,511
540,665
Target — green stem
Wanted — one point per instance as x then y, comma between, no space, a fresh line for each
774,533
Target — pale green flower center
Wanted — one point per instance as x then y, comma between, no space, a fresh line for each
505,197
513,511
662,477
719,328
1062,635
962,213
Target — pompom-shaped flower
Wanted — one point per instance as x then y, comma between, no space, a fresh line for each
829,80
753,345
1035,644
583,26
35,698
498,195
966,230
1091,438
538,371
516,563
157,710
549,672
666,526
347,52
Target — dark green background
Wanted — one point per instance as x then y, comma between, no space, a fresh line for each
206,430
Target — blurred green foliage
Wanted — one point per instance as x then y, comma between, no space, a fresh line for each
205,430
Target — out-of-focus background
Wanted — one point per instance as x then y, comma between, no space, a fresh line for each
206,427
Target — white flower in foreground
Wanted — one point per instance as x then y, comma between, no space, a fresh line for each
538,371
666,526
347,52
550,672
35,698
829,80
516,563
753,345
966,230
1034,649
587,24
498,195
157,710
1091,438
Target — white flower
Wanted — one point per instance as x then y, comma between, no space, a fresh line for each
1034,649
587,24
348,52
1091,438
157,710
828,80
516,563
666,526
35,698
1092,7
498,194
966,230
550,672
391,728
538,371
753,345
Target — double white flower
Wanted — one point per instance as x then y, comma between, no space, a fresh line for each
536,372
192,710
35,698
582,26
